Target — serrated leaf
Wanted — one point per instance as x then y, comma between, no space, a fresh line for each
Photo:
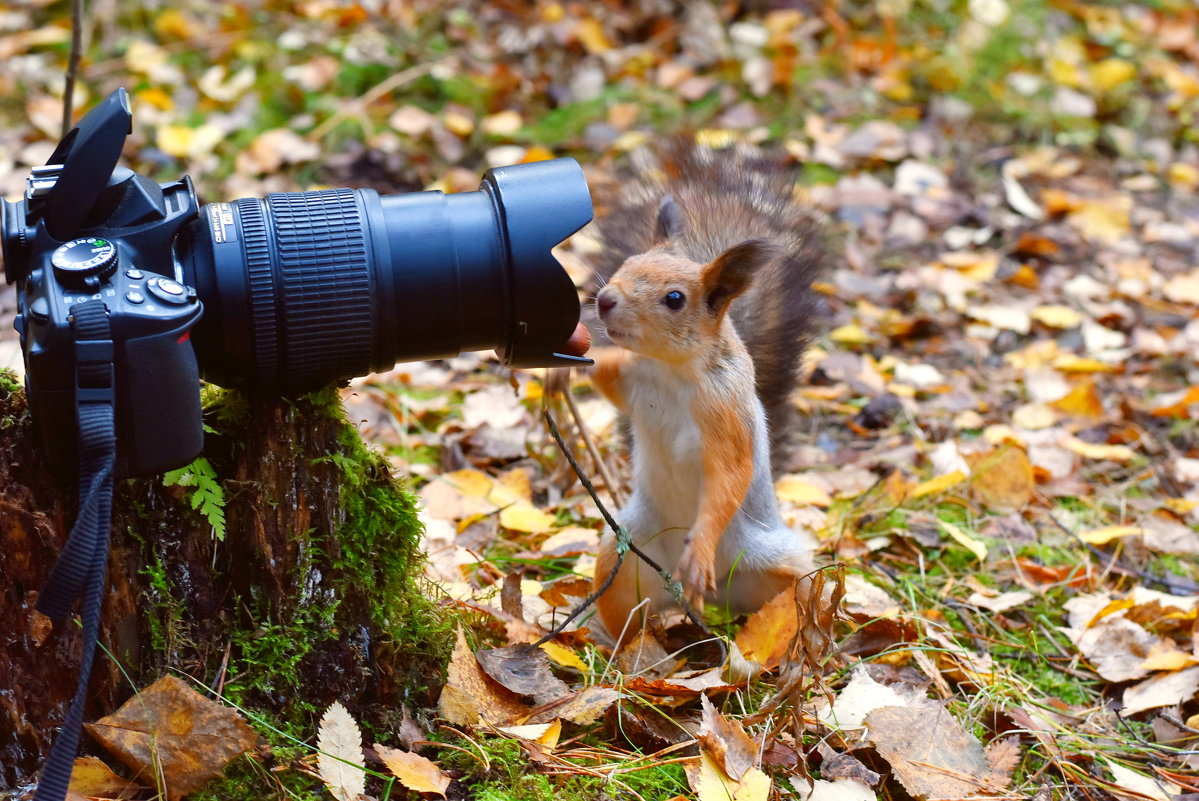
340,761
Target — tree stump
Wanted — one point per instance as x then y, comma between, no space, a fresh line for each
310,596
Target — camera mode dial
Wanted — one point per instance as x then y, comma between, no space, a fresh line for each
82,263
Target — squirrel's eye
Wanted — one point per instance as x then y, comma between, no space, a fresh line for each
674,300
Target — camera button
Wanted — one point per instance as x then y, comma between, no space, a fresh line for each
133,296
40,309
135,275
167,290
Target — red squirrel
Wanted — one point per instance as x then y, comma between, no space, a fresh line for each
703,501
722,198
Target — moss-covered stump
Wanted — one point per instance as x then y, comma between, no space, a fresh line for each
309,594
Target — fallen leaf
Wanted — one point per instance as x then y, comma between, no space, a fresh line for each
767,634
470,694
339,760
938,484
725,741
857,699
838,790
1142,786
544,734
1002,479
586,706
1104,535
170,730
1002,602
524,670
564,656
91,777
1088,450
414,771
930,753
795,490
976,547
1162,690
711,784
525,517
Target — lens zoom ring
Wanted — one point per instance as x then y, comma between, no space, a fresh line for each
324,287
261,278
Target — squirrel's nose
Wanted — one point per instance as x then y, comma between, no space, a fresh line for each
605,303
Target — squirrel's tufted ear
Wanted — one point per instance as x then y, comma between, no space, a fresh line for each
729,274
670,220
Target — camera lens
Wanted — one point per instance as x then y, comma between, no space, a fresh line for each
304,288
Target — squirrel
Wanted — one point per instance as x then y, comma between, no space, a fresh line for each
719,280
726,197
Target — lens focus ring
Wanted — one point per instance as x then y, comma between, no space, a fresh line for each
310,288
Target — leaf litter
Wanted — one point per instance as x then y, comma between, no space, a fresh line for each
1000,443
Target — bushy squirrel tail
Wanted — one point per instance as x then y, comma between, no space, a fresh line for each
728,196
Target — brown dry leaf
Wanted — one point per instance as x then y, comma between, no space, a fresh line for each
767,634
1162,690
682,685
470,694
929,752
414,771
1003,756
339,760
586,706
725,741
169,729
91,777
1003,479
523,669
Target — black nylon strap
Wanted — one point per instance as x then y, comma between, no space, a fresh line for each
81,566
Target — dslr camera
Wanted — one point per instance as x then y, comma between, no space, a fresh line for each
280,294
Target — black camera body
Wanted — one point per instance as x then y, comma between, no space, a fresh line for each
285,293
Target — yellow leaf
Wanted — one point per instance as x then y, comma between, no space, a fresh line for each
851,334
510,487
537,153
1105,221
590,32
183,142
458,123
1069,363
174,24
1082,400
1101,536
766,636
1183,175
470,482
715,138
523,516
1003,479
975,547
1056,316
546,734
1089,450
1112,72
796,490
143,56
1168,660
564,656
711,784
414,771
91,777
156,97
939,484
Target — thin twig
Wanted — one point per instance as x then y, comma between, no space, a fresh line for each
68,92
600,464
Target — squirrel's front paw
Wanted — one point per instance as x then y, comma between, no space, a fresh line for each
698,576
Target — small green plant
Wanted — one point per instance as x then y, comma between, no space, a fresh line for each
206,495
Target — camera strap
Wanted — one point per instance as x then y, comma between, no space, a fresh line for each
80,568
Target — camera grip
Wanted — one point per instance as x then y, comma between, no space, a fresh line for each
159,422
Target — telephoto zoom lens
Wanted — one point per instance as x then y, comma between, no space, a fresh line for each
304,288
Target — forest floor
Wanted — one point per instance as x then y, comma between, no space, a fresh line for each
999,444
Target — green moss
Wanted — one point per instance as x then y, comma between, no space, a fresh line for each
511,777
